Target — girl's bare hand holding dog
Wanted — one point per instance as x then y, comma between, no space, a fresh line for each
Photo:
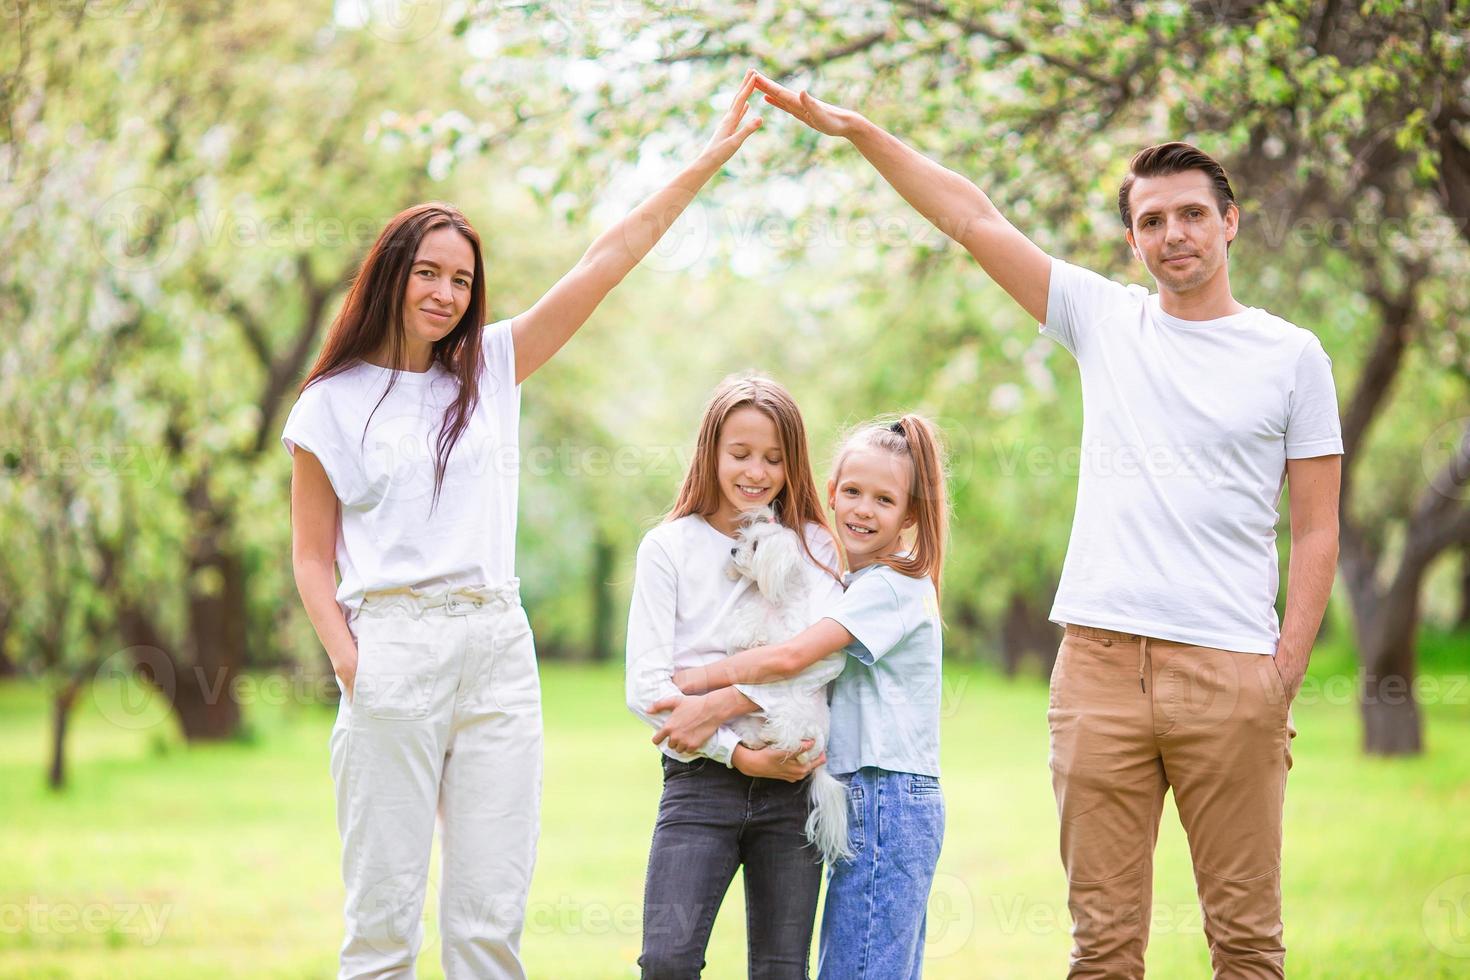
691,723
773,763
690,680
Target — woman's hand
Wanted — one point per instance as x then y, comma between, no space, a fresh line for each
691,723
824,118
542,330
345,667
730,133
773,763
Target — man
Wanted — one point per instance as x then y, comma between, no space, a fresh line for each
1173,671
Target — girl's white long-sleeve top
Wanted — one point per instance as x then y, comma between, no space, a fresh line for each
681,595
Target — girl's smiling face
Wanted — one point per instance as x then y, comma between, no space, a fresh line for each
751,466
870,498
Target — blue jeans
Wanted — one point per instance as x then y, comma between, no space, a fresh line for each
873,922
711,820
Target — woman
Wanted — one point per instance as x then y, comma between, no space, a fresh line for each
404,441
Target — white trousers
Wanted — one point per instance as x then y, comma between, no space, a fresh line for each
445,719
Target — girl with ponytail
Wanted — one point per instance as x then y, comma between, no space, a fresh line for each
887,494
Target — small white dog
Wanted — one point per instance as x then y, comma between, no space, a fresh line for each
772,609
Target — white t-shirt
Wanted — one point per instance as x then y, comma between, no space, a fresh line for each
386,536
1187,427
681,593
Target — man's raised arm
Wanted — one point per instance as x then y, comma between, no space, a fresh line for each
948,200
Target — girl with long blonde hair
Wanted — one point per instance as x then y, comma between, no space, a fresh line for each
725,805
889,502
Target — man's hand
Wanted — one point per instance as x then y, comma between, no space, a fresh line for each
824,118
692,721
1292,671
773,763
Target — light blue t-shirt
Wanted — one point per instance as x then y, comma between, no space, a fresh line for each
885,704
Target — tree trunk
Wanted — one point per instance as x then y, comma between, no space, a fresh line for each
1463,619
7,666
198,680
204,696
1025,629
1387,623
603,556
61,707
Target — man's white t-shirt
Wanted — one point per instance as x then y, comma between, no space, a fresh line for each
380,459
1187,427
681,595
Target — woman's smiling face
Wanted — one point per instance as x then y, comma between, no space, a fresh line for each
439,283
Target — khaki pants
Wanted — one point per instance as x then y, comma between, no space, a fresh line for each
1130,717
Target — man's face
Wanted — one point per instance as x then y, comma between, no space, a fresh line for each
1178,232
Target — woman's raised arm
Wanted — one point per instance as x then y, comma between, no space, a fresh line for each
542,330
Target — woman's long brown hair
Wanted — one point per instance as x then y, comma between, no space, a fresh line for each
798,503
372,314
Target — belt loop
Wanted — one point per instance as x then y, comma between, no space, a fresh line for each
1142,655
461,607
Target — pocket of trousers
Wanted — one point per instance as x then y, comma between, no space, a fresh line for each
855,834
674,769
514,681
1056,672
395,678
923,785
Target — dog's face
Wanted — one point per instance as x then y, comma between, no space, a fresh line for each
768,553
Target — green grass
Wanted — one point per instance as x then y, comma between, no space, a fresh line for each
232,849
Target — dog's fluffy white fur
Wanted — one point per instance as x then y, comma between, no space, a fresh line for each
774,608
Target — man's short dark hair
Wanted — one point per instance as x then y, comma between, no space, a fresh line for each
1167,159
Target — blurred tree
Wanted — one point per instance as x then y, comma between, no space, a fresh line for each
1344,125
186,190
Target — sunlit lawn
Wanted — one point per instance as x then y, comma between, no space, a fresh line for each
164,861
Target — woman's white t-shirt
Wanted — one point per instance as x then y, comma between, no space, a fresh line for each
681,595
383,473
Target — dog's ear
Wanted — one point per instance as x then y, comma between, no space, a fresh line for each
778,572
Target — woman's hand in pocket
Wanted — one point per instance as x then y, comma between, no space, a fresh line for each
344,665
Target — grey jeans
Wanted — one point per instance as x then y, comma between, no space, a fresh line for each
711,820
